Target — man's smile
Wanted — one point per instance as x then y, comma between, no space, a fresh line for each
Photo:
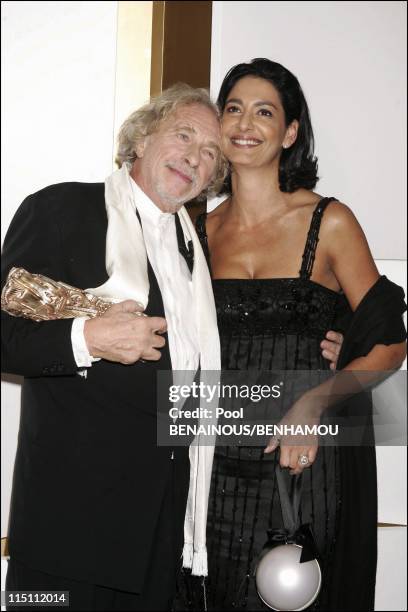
184,177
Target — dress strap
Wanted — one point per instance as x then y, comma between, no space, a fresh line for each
202,235
309,253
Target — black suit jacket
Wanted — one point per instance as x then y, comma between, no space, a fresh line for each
89,477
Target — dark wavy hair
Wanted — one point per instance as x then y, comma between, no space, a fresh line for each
298,165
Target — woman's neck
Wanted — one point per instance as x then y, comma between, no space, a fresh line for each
256,195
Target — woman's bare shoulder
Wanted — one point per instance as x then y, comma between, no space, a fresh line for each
303,201
339,217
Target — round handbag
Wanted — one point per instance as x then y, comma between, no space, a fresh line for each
288,574
283,583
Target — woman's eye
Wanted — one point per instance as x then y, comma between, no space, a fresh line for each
210,154
184,137
232,109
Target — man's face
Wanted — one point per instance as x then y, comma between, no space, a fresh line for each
178,161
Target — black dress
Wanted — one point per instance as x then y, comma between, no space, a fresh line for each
266,324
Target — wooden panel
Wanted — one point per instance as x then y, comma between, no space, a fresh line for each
156,70
133,60
4,548
181,44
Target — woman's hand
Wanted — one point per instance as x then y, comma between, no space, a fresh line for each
298,452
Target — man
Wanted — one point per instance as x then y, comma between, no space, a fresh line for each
97,507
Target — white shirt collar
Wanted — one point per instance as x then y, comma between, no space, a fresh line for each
147,208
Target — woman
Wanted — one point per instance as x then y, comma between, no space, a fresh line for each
285,262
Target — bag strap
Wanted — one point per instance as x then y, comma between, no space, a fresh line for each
290,504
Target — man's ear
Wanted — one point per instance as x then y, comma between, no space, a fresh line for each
291,134
140,147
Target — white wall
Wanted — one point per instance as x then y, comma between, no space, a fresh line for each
350,58
391,588
58,87
3,577
58,71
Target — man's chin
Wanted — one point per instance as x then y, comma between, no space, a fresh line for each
173,203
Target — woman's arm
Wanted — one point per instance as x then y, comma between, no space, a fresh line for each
350,259
345,247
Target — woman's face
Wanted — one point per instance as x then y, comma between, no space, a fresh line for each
253,125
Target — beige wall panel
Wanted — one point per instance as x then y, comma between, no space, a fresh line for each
133,58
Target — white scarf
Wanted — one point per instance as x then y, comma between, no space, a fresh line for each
126,265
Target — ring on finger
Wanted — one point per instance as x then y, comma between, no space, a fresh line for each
303,460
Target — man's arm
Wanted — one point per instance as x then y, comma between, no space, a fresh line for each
331,347
29,348
45,349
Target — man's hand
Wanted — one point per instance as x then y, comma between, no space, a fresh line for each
331,347
124,336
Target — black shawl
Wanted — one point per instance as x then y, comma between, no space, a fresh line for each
377,320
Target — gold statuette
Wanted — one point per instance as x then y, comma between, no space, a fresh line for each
37,297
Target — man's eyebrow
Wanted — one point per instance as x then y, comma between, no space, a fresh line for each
259,103
182,126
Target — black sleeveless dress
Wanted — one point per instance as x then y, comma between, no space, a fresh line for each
266,324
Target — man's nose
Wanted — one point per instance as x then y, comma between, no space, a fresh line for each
193,155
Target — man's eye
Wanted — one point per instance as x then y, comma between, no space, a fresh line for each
232,109
184,137
210,154
265,112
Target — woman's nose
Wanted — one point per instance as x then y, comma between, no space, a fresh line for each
245,121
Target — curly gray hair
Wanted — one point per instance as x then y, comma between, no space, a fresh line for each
147,119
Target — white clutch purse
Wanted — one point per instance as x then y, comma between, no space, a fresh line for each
288,575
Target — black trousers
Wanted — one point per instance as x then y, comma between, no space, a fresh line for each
159,587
